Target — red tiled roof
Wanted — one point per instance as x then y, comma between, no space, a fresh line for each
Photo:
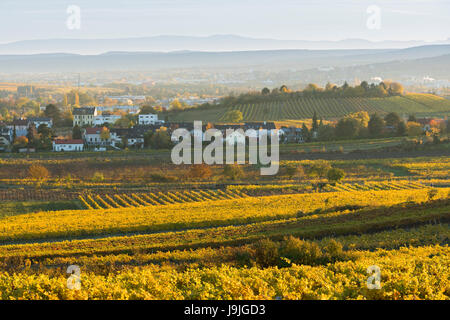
69,141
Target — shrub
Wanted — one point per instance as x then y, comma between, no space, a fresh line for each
98,177
266,253
319,168
233,172
293,171
301,252
38,172
432,193
333,251
157,177
200,171
335,175
244,258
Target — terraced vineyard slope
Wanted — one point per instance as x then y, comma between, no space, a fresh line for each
327,108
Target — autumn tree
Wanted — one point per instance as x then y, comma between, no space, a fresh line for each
38,172
233,172
414,129
335,175
200,171
105,134
292,171
233,116
176,105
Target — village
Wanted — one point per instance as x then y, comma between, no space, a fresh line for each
98,130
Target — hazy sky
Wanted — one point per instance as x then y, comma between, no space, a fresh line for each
280,19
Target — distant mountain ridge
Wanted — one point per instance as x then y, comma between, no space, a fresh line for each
166,43
258,60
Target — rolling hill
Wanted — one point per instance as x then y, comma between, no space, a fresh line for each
327,108
262,60
176,43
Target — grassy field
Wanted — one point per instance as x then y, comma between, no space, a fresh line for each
11,208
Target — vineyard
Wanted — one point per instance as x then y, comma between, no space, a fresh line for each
156,199
383,185
296,281
327,108
281,237
339,280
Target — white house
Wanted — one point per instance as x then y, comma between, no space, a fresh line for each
19,127
67,145
84,116
106,118
146,119
92,137
38,121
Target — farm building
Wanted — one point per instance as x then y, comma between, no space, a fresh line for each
60,145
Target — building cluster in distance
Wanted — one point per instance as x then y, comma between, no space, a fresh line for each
98,133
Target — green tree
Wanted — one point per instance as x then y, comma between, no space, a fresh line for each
305,133
315,123
325,133
233,116
347,128
233,172
365,86
335,175
53,112
33,137
160,140
76,133
126,121
45,137
265,91
392,119
293,171
318,168
401,129
147,110
376,125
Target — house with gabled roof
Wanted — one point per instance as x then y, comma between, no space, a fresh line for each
68,145
84,116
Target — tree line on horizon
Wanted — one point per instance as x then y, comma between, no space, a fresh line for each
364,90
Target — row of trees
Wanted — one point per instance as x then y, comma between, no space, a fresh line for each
39,139
383,89
361,125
